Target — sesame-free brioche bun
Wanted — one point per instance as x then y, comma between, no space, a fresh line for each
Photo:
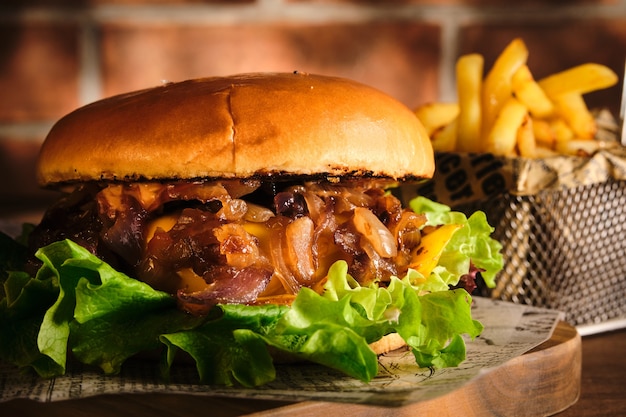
241,126
386,344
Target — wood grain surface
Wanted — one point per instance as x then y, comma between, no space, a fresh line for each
544,381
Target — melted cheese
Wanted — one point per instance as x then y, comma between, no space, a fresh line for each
164,222
261,232
190,281
147,193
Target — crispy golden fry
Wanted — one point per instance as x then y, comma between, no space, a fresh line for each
434,116
445,139
581,79
561,130
503,136
573,109
526,144
548,131
582,147
544,132
469,74
543,152
528,91
497,85
510,113
577,147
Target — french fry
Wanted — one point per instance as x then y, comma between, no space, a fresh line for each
561,130
434,116
573,109
469,74
544,133
503,136
528,91
497,85
510,113
526,144
445,139
543,152
577,147
581,79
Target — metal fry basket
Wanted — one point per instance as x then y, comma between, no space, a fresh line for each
563,249
561,222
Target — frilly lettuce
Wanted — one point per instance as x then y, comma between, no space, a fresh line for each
471,243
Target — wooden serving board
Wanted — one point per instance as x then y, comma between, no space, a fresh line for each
542,382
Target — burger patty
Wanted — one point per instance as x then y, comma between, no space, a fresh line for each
238,241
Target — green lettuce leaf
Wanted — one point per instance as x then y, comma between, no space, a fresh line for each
328,332
426,322
23,303
21,315
230,348
472,243
12,257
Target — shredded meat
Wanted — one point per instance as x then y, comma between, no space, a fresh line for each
230,241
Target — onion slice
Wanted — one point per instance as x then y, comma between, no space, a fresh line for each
375,232
277,253
299,237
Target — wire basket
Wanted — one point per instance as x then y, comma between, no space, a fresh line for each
564,250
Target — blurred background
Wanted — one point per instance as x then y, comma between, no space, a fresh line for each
56,55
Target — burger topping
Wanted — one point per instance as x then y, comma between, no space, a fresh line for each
215,242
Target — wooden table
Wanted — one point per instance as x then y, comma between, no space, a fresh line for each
602,393
603,381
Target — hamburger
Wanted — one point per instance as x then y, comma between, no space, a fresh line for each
238,221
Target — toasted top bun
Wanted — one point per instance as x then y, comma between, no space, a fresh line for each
242,126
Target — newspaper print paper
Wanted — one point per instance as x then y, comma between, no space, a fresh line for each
510,330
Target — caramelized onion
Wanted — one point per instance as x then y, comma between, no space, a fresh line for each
408,229
201,191
299,239
239,188
378,268
227,285
240,247
372,229
210,230
232,209
79,216
348,239
125,235
323,236
315,206
277,253
257,213
290,204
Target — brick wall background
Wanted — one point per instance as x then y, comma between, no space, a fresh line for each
56,55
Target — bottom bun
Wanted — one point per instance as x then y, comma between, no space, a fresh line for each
388,343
